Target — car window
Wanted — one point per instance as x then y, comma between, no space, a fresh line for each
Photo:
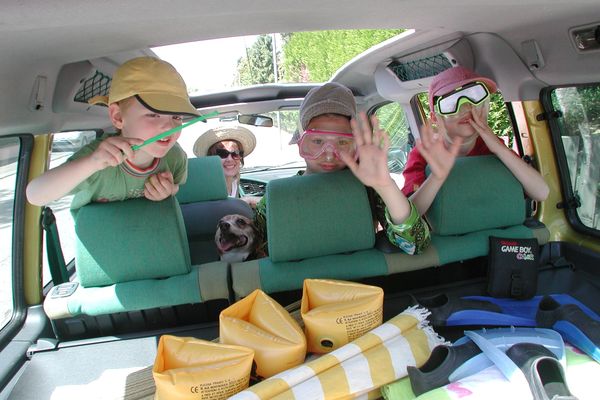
272,143
577,112
9,153
392,119
64,144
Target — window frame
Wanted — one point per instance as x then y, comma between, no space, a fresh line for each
19,314
568,194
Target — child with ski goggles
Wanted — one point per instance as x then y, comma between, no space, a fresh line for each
458,127
314,144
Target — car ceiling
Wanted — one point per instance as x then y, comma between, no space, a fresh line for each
38,37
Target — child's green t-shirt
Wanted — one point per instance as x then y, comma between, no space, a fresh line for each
123,181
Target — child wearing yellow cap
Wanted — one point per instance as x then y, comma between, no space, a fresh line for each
147,96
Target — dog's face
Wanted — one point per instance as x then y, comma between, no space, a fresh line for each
236,238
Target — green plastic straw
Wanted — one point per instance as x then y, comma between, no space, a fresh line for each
173,130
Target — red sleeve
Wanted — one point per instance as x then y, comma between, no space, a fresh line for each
414,172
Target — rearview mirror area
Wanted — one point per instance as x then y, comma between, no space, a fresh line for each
255,120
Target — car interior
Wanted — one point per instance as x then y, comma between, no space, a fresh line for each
104,312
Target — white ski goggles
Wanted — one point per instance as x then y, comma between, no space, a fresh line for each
449,104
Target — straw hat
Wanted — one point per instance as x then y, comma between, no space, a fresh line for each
243,135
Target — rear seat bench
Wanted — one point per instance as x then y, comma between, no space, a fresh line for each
320,227
133,260
140,261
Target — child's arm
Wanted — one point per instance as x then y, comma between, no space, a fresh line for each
532,181
372,146
440,159
403,225
59,181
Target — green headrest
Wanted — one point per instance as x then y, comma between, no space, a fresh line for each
130,240
316,215
205,181
480,193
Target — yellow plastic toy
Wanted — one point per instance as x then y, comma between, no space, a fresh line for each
189,368
337,312
259,322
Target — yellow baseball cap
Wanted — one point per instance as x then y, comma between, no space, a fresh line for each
154,82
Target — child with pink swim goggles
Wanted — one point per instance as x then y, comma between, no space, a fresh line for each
333,138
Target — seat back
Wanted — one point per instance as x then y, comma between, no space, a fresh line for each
133,255
205,181
130,240
480,198
480,193
204,201
319,226
316,215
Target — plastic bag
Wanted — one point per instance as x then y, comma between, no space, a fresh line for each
337,312
190,368
259,322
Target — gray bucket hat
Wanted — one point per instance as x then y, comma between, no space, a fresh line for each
330,98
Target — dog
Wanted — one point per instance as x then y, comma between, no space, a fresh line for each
237,239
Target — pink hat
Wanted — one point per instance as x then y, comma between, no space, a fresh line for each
450,79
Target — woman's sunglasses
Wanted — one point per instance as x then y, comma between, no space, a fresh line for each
224,153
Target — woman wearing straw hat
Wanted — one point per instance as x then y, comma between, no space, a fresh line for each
231,144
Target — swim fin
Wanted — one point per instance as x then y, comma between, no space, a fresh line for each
447,311
575,326
442,362
545,375
500,340
490,311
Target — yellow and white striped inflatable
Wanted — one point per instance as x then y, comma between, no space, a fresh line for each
358,368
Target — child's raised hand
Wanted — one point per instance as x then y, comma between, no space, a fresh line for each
160,186
372,146
433,148
113,151
480,124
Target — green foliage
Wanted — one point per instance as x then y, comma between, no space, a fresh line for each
315,56
257,66
288,120
580,107
392,119
498,118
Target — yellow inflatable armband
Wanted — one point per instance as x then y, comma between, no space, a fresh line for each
259,322
189,368
337,312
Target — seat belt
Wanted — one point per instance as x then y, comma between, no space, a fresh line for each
56,259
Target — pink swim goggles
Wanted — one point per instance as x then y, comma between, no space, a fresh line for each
313,144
